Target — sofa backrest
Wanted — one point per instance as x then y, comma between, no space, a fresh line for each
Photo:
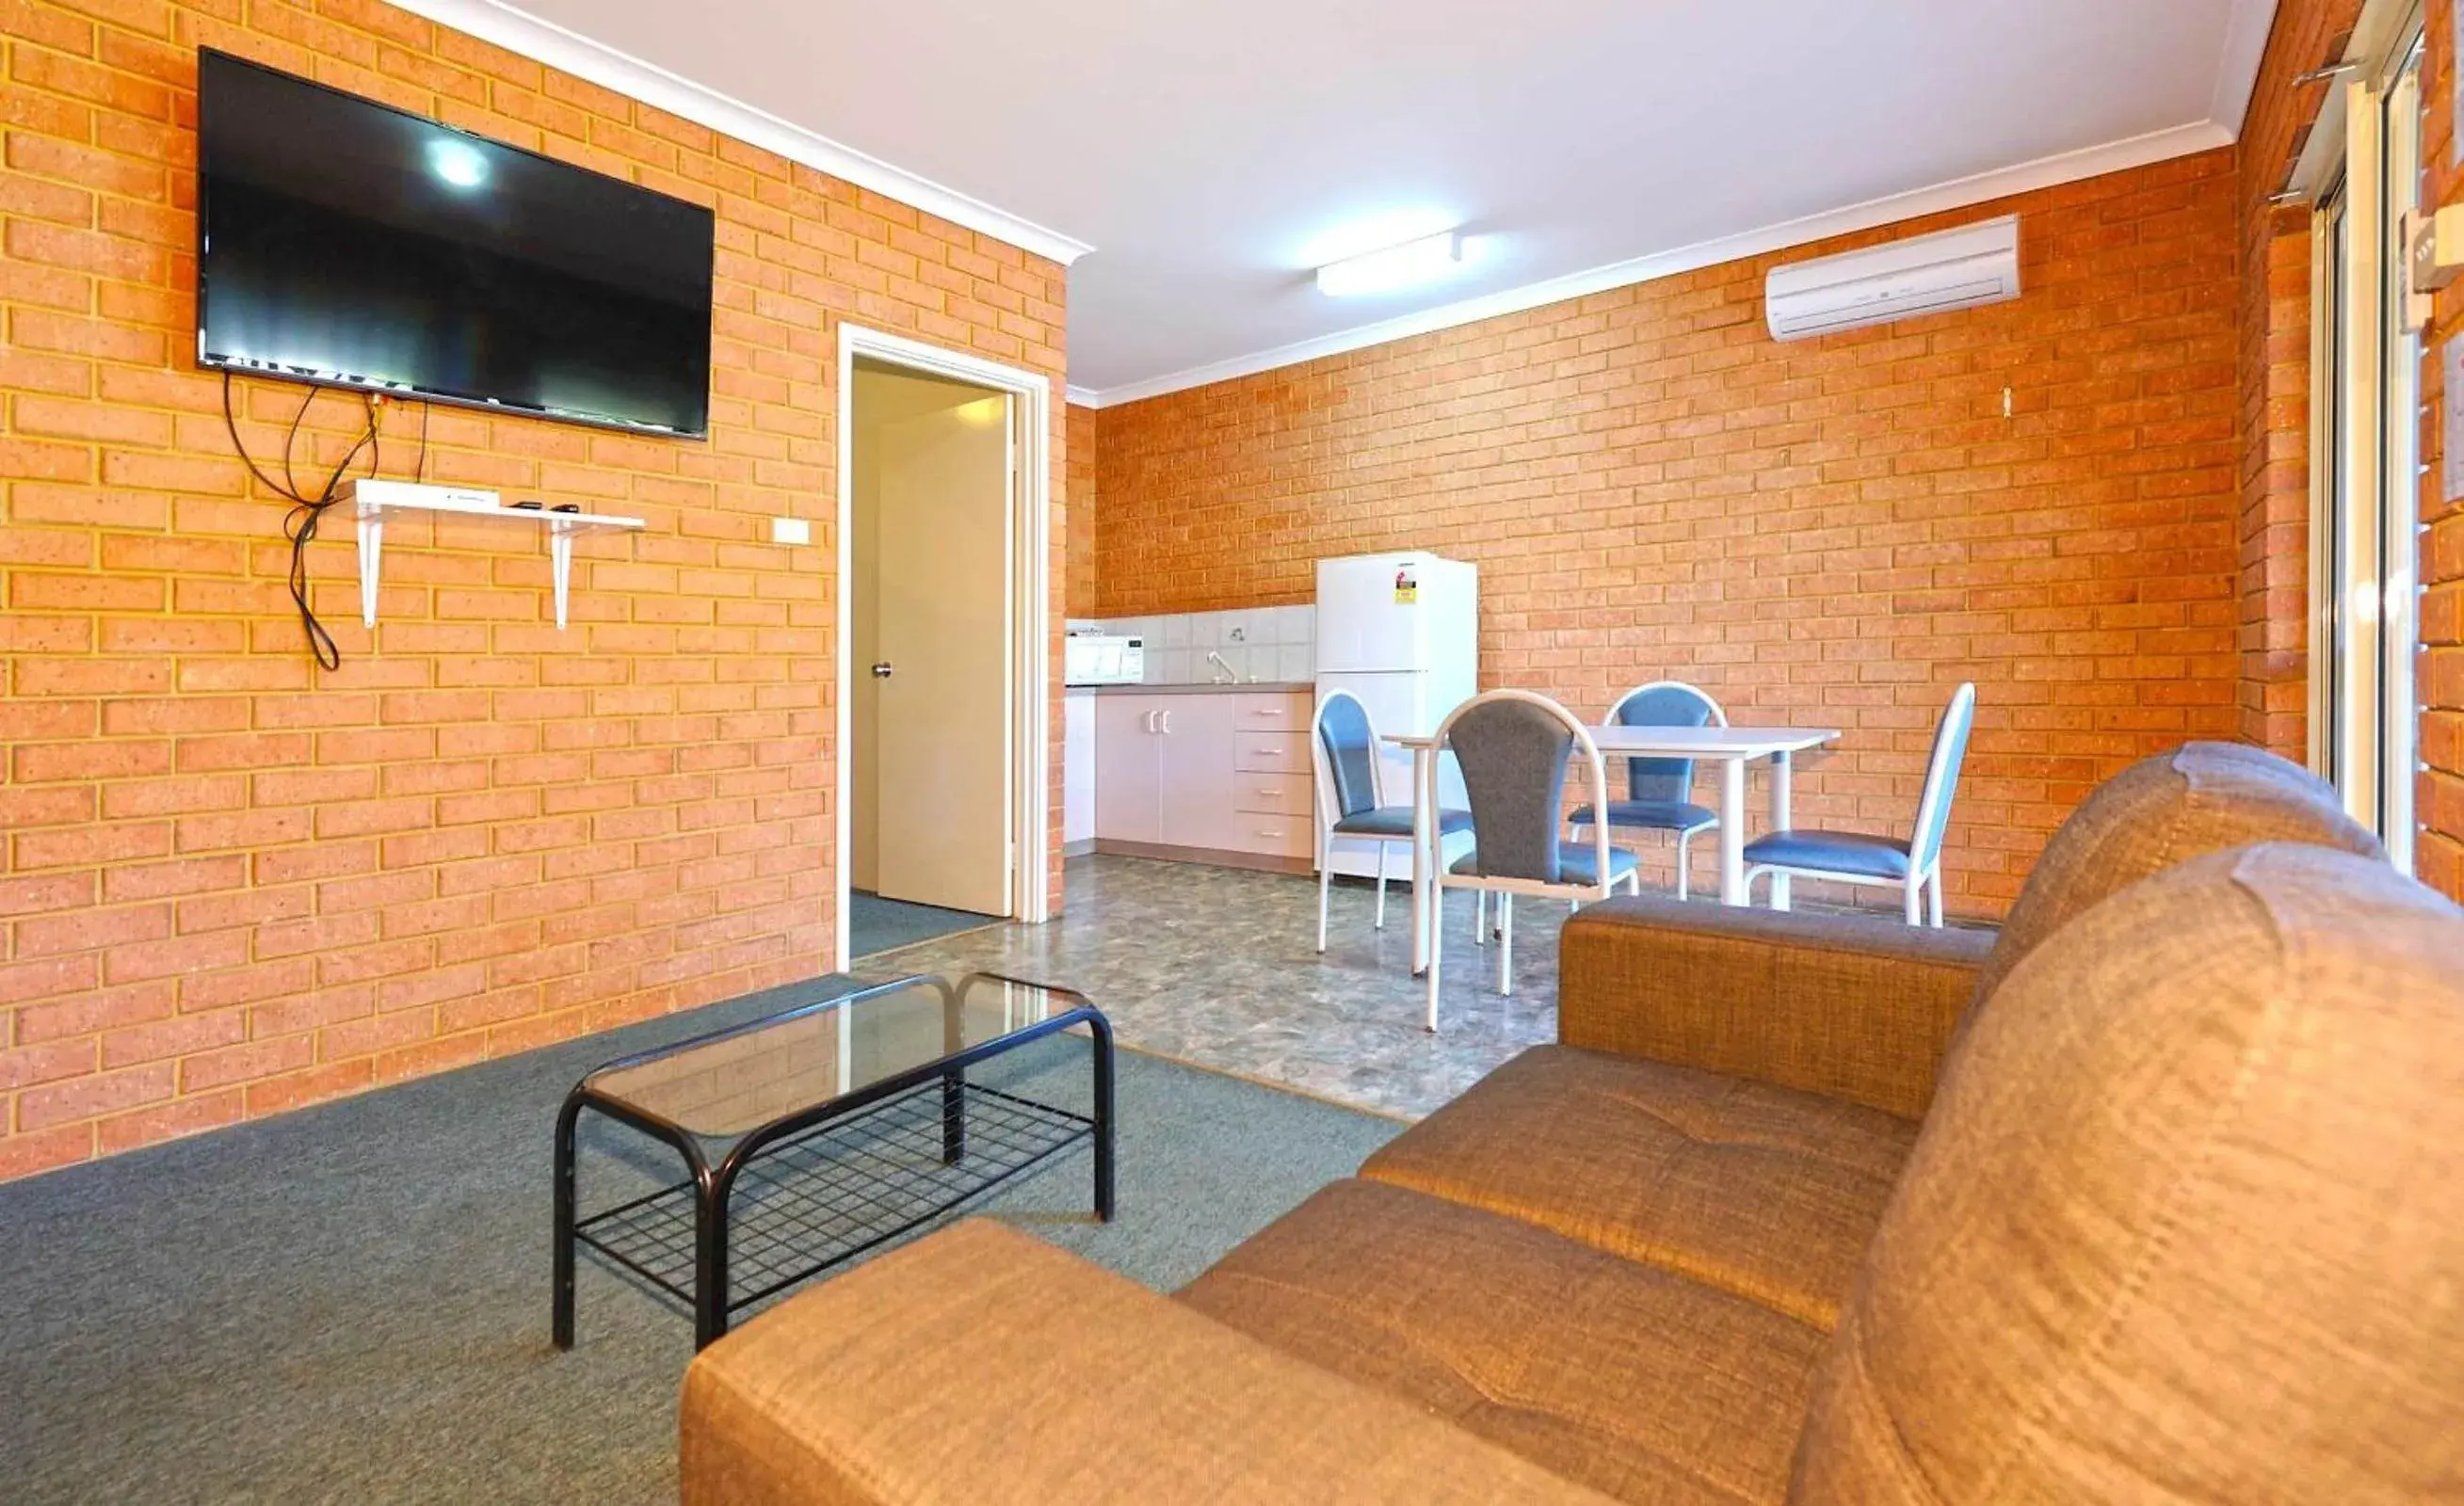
2185,1222
2199,799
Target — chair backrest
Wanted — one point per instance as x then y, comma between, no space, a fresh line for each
1664,703
1347,752
2185,1221
2162,811
1513,748
1941,779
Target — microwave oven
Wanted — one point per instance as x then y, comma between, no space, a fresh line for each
1103,659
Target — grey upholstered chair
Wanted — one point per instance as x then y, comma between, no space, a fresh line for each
1514,748
1351,797
1913,866
1660,792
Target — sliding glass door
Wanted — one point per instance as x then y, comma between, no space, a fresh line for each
2366,462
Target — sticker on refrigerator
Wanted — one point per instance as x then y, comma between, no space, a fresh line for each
1407,587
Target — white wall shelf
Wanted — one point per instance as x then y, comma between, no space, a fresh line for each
561,530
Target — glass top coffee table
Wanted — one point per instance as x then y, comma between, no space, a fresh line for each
812,1136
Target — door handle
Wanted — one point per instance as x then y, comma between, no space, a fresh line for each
882,671
1167,724
1151,722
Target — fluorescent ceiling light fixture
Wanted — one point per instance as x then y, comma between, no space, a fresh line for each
458,162
1428,259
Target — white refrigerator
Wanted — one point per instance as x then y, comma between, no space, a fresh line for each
1401,631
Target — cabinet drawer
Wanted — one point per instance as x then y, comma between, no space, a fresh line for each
1259,713
1271,753
1275,836
1273,794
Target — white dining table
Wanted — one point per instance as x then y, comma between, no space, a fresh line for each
1731,747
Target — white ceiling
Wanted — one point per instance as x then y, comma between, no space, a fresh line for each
1212,152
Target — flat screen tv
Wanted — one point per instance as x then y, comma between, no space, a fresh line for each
346,243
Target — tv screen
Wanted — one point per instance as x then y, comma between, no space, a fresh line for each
344,242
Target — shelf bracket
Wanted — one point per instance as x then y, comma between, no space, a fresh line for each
560,553
371,557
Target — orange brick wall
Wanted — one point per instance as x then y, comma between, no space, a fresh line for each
1833,531
2275,387
1079,587
2438,851
231,885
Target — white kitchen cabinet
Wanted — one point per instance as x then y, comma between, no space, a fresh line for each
1209,777
1128,769
1078,769
1195,783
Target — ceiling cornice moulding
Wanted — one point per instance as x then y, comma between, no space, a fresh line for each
545,43
2046,173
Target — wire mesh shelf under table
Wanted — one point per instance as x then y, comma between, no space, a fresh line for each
820,1198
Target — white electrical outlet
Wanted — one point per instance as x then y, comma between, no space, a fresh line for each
791,531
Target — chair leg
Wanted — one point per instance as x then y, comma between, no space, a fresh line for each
1781,899
1506,945
1437,947
1480,917
1380,923
1684,863
1913,891
1324,884
1933,899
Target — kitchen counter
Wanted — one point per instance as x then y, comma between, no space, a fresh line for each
1244,687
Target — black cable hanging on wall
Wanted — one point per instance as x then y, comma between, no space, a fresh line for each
299,525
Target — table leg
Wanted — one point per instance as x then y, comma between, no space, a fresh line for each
560,1312
1424,821
1103,1036
954,1084
1733,831
1779,821
954,1118
709,1258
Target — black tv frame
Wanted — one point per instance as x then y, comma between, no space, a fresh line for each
406,391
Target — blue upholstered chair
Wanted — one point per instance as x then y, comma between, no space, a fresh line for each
1913,866
1351,797
1660,792
1514,748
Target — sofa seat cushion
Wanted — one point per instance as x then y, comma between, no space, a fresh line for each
1760,1191
1631,1380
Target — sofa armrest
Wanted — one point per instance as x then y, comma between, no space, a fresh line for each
1848,1006
982,1364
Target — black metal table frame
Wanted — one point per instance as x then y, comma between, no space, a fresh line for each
712,1184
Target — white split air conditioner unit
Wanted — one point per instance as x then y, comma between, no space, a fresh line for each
1961,269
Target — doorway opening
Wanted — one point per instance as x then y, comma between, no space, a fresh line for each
943,606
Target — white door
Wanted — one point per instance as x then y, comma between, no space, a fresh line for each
1128,769
1369,613
1196,789
941,679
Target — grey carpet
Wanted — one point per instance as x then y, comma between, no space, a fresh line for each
350,1303
876,925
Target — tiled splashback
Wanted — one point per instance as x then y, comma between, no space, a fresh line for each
1262,644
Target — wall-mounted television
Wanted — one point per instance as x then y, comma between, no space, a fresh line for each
345,243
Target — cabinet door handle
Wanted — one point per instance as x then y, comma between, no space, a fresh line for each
1265,710
1167,724
1150,721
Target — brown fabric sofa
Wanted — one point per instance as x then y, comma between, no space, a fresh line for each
2157,1196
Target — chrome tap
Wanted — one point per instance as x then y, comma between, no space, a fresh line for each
1229,676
